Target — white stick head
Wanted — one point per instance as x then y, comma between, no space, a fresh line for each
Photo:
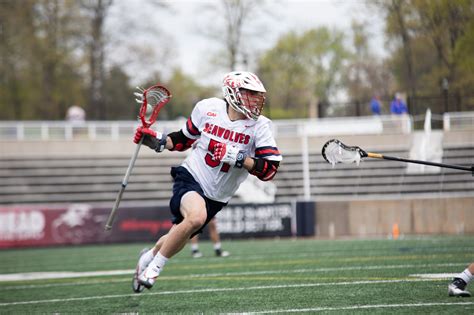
334,151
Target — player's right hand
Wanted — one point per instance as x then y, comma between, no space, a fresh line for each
143,132
152,139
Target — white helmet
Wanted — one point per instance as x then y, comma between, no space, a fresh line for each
250,105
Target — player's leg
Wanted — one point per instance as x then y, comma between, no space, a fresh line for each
216,239
145,257
195,247
193,210
457,287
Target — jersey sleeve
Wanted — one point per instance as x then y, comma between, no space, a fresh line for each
265,144
192,127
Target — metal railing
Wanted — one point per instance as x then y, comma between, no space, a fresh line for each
114,130
458,121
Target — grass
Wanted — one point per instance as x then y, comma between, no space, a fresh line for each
281,275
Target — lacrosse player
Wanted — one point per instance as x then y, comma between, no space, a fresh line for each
457,287
233,140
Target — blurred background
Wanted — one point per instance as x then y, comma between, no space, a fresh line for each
390,76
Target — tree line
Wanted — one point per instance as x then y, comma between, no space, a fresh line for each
56,53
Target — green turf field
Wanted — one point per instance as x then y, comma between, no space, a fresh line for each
260,276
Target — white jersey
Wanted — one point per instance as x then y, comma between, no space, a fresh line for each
209,124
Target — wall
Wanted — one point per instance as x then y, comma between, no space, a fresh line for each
376,217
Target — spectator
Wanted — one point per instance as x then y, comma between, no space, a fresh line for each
397,106
375,105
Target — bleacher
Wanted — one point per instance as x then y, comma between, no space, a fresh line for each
88,179
96,179
66,170
374,178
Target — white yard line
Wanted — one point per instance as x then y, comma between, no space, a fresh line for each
438,276
66,274
61,275
358,307
289,286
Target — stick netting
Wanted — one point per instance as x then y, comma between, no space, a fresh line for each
335,152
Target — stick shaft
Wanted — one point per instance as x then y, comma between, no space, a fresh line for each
393,158
113,212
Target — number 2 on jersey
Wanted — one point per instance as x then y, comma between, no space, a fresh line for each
210,159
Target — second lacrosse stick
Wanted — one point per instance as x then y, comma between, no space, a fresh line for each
334,151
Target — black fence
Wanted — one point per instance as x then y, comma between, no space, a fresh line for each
417,105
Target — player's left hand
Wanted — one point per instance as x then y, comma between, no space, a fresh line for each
228,154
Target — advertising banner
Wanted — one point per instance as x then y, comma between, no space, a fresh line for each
255,220
41,225
79,224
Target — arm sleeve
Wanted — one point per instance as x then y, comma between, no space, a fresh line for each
265,144
267,156
264,169
180,141
191,127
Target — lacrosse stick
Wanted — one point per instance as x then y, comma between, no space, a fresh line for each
151,100
334,151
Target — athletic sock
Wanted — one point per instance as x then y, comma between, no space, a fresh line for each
465,275
194,247
160,260
217,246
146,258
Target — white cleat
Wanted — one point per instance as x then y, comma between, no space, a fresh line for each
148,277
137,287
196,254
222,253
458,288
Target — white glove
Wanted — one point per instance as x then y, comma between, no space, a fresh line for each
229,154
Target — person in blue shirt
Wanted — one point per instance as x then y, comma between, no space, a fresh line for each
397,106
375,105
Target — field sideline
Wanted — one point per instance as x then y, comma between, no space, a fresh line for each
261,276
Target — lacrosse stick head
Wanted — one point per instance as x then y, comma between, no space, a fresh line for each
152,100
334,151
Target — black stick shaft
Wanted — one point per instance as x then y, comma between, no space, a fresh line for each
393,158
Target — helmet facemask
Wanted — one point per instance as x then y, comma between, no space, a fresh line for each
244,92
252,102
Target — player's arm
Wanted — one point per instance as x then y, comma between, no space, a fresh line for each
264,169
175,141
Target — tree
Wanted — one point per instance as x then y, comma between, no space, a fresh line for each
426,35
119,102
234,32
38,38
365,74
97,11
303,71
186,93
14,21
399,15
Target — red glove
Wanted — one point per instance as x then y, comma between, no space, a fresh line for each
141,131
152,139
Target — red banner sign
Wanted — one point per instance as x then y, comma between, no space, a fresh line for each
78,224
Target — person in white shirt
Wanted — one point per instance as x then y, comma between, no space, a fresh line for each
230,139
